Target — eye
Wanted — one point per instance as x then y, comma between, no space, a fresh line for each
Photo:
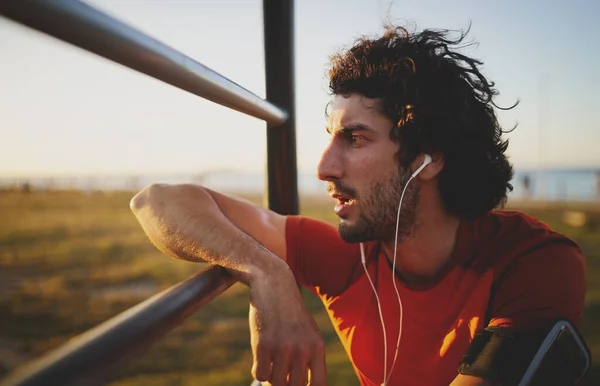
355,139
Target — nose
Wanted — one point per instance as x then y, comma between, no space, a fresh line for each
330,166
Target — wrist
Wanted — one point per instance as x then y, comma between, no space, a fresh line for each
274,270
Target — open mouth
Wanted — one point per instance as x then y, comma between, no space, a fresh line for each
344,200
343,205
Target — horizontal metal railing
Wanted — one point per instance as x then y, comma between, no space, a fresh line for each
84,26
96,355
100,352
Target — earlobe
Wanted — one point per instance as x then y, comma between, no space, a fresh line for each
429,167
426,161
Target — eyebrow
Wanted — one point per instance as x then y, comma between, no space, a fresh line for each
350,127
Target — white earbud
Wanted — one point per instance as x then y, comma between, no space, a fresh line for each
426,162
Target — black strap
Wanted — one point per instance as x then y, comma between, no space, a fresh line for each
501,355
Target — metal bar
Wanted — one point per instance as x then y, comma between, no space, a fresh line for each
281,139
93,357
84,26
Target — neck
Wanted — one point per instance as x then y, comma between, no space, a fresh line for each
422,256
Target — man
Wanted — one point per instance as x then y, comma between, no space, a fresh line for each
414,139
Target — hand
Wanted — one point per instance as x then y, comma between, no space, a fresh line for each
285,339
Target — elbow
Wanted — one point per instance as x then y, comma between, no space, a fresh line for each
137,201
155,195
150,196
142,198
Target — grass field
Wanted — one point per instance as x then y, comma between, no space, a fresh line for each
70,260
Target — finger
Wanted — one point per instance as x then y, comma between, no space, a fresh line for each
318,370
261,368
261,374
299,373
281,369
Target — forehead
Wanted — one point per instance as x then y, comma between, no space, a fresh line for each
357,109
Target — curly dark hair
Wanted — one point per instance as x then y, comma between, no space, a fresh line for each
441,103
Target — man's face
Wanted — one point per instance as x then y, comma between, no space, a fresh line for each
362,172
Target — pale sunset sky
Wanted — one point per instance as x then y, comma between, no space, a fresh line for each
64,111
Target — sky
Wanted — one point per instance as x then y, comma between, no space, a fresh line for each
64,111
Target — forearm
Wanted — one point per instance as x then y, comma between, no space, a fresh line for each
185,222
192,223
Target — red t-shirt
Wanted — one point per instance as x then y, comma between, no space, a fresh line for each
506,268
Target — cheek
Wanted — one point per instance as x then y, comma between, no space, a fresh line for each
369,177
376,165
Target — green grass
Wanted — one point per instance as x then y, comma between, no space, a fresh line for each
70,260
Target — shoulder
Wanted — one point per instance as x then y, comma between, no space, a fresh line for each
318,256
307,237
539,274
505,239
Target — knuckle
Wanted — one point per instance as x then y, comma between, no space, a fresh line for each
285,347
302,350
261,368
265,345
260,374
262,379
319,345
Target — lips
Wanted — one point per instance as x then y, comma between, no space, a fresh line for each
343,204
342,200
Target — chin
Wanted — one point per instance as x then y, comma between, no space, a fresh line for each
352,233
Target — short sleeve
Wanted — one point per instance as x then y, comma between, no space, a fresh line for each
318,257
542,285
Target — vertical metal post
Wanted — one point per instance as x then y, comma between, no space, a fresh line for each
282,176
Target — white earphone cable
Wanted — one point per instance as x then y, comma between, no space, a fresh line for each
363,259
386,375
394,279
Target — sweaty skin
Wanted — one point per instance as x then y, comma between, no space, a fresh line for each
196,224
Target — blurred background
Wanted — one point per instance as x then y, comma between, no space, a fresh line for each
79,135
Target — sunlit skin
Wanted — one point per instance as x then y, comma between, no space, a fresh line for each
367,197
360,162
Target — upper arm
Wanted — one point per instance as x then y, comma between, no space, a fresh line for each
538,288
543,285
263,225
168,210
313,249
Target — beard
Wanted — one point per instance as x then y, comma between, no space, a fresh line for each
378,208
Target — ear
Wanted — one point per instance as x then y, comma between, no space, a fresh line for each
432,169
